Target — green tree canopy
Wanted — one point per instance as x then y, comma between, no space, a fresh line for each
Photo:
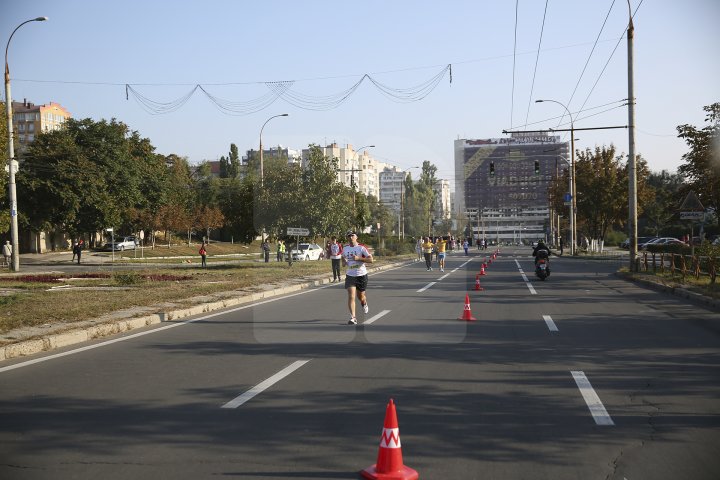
702,163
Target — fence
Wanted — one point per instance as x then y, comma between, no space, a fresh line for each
682,265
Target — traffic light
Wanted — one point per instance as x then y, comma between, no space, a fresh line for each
492,169
537,167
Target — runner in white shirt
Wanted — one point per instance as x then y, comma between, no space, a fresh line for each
355,256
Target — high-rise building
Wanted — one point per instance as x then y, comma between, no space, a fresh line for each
502,184
30,119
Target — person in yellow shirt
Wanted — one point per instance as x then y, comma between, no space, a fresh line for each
427,249
440,244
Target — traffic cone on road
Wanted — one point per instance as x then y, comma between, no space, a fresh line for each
389,464
482,269
467,314
477,283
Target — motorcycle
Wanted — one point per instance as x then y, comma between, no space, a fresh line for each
542,268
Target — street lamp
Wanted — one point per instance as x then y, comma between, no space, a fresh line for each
11,155
573,218
262,171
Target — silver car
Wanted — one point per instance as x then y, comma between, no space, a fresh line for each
121,244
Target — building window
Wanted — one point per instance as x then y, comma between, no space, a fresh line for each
21,127
30,138
31,127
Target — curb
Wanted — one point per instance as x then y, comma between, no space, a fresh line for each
681,292
79,335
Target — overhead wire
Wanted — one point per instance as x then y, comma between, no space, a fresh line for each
537,58
587,62
610,58
512,95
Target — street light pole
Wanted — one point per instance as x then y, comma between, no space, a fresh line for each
262,168
573,218
632,164
11,156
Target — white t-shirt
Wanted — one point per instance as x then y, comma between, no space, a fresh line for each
335,251
355,268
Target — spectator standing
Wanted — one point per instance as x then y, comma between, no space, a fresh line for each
335,251
427,249
280,250
355,256
266,251
466,245
562,245
203,255
77,250
7,252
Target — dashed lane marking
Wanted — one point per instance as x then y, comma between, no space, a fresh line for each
376,317
264,385
550,324
597,409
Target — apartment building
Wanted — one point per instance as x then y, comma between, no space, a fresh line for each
30,119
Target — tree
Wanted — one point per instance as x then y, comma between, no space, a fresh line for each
702,163
601,180
85,176
659,213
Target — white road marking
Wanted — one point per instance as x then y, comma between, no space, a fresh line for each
525,278
443,277
379,315
597,409
550,324
264,385
426,287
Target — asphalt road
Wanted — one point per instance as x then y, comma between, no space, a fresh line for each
583,376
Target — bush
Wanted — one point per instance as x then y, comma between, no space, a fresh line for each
127,278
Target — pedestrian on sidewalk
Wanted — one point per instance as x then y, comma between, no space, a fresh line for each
203,255
266,251
335,256
77,250
355,256
7,252
466,245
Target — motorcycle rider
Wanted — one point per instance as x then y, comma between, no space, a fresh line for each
541,251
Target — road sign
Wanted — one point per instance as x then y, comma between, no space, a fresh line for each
692,215
303,232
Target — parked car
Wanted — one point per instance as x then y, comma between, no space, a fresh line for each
308,251
626,243
662,241
121,243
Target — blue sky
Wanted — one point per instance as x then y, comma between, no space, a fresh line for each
88,50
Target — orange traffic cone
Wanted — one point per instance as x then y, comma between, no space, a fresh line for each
467,314
482,269
389,464
477,283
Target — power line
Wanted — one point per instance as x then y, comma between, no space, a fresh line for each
590,55
532,86
512,95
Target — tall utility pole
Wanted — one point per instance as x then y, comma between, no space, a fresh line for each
11,156
632,165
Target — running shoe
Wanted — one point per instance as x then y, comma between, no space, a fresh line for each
352,321
366,309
